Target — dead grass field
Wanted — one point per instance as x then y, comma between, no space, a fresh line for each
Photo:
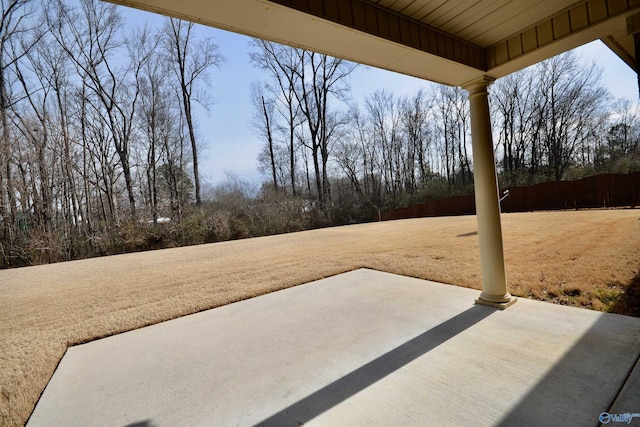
584,258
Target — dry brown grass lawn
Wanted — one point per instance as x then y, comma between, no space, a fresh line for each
581,258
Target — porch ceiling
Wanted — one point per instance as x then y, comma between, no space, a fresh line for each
446,41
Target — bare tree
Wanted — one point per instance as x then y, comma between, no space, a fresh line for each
263,124
91,39
16,39
619,149
31,120
572,100
384,116
452,113
321,78
415,123
190,61
155,115
283,64
514,109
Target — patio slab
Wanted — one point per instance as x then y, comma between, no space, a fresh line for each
359,349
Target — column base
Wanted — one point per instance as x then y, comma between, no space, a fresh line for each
498,305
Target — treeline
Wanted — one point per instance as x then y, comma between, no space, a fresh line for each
99,144
552,121
98,131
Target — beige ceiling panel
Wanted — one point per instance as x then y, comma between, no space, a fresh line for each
407,9
616,6
408,35
567,29
514,46
579,17
597,10
384,23
393,24
417,8
371,19
529,40
561,26
633,24
333,7
466,14
445,13
428,39
556,47
502,54
512,19
358,19
487,31
362,17
414,32
545,33
396,4
478,12
344,10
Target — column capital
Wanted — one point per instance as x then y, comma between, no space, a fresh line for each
478,85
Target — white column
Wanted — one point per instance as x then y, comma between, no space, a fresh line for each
494,284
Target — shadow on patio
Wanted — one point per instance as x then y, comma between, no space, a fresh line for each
324,399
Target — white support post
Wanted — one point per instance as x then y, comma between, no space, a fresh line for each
494,284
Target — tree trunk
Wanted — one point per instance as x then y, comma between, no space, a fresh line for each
270,141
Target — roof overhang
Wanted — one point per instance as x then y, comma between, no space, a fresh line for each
441,44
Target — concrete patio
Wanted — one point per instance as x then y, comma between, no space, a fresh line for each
360,348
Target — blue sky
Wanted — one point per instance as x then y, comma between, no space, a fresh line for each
229,143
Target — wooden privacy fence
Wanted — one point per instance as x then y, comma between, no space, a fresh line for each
599,191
